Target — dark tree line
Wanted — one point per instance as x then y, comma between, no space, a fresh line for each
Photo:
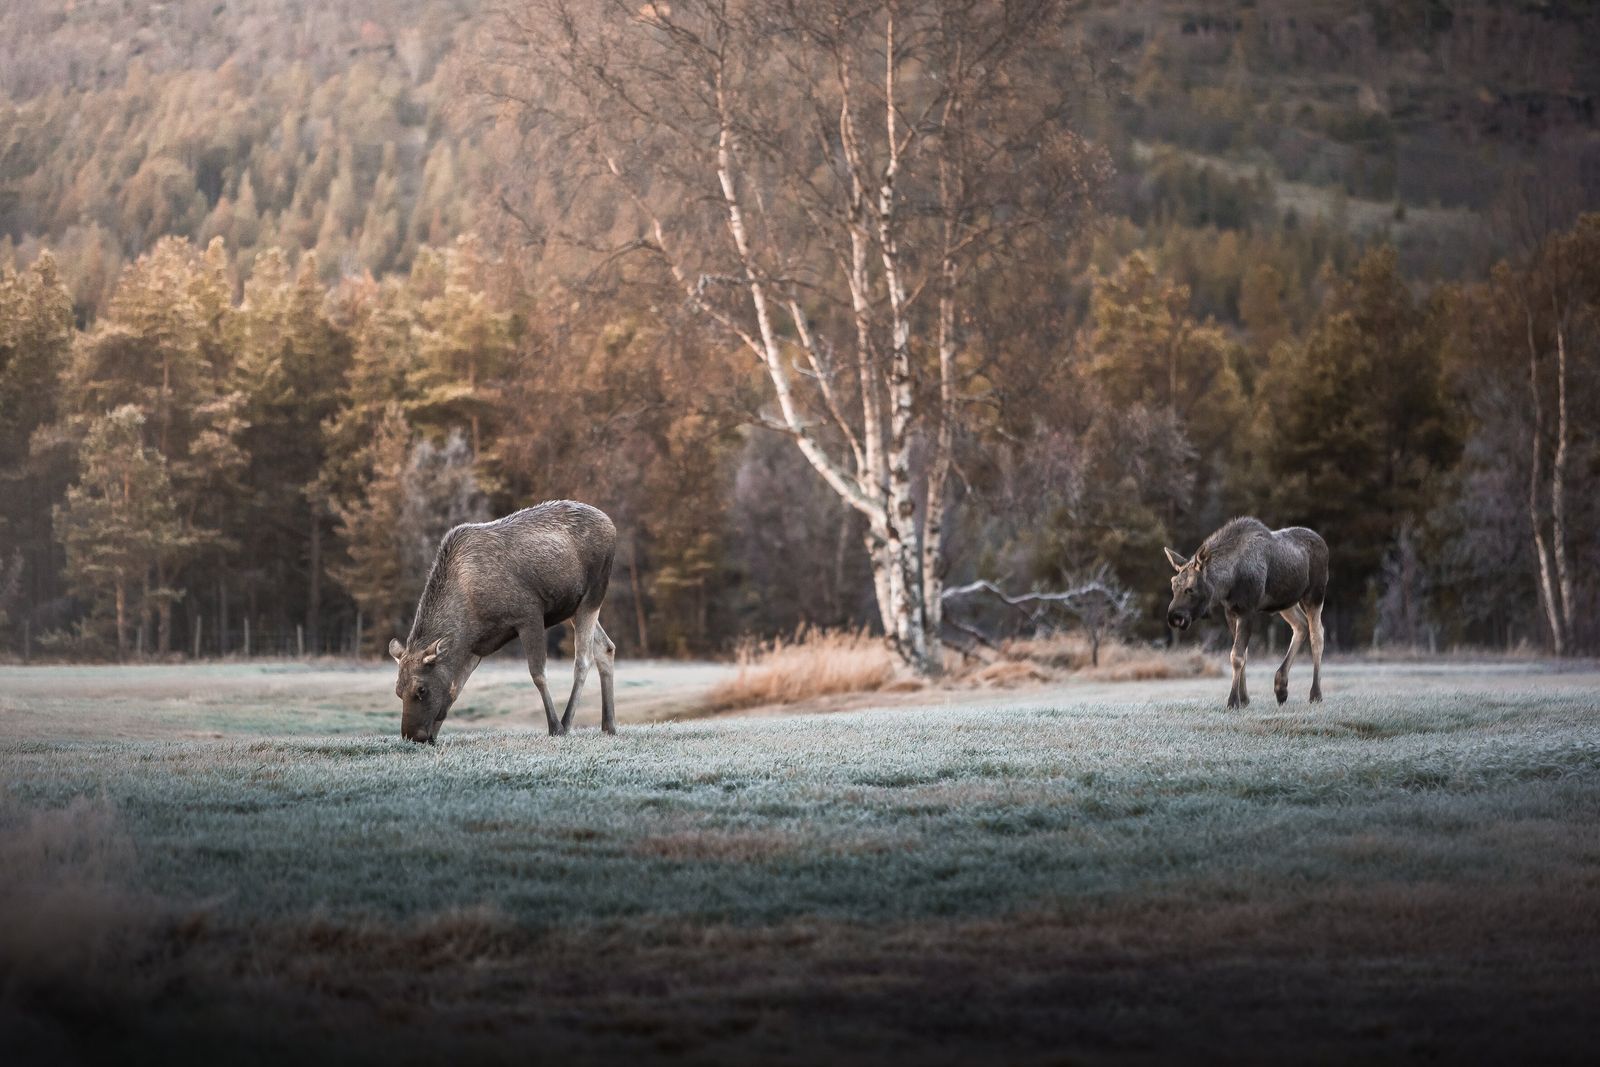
216,452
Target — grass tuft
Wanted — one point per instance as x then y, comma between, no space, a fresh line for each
813,663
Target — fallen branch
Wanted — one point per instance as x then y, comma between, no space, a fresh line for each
1098,603
1066,596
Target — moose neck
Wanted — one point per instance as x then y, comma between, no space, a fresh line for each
441,615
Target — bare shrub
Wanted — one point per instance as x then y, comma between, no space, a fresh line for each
812,663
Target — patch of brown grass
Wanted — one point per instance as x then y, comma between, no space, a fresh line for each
727,846
66,870
1009,673
1119,662
324,949
1452,973
83,943
820,663
813,663
693,844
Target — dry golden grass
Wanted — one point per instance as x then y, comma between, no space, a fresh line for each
1119,662
1009,673
813,663
818,663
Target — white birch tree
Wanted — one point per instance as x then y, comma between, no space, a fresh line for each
819,181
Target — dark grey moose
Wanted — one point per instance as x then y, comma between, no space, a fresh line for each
513,577
1244,568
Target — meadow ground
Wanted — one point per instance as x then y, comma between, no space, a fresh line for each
245,861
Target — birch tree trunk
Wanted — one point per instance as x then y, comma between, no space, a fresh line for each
904,548
1558,481
1547,595
163,611
314,578
122,618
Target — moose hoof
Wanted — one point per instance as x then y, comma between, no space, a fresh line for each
1316,696
1282,694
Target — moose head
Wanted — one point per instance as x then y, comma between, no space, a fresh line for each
427,686
1191,588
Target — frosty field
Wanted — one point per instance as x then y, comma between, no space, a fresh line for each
247,860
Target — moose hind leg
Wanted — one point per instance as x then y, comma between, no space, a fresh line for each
605,658
1314,619
532,636
583,627
1296,618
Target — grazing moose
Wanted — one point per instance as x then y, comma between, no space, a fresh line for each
1245,568
512,577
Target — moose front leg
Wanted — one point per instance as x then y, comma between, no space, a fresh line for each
1240,622
532,635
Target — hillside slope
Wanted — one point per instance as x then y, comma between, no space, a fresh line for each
337,126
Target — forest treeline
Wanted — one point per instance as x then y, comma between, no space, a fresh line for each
283,295
216,449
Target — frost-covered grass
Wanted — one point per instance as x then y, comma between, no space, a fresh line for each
1412,868
880,815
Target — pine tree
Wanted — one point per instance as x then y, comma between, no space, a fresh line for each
119,522
162,349
466,346
292,361
370,529
1354,425
1162,372
1262,313
1148,349
35,340
146,350
35,347
384,362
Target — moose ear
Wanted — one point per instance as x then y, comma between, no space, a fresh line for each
1174,559
1202,557
396,649
435,650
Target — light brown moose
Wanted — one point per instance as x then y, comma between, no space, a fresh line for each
514,577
